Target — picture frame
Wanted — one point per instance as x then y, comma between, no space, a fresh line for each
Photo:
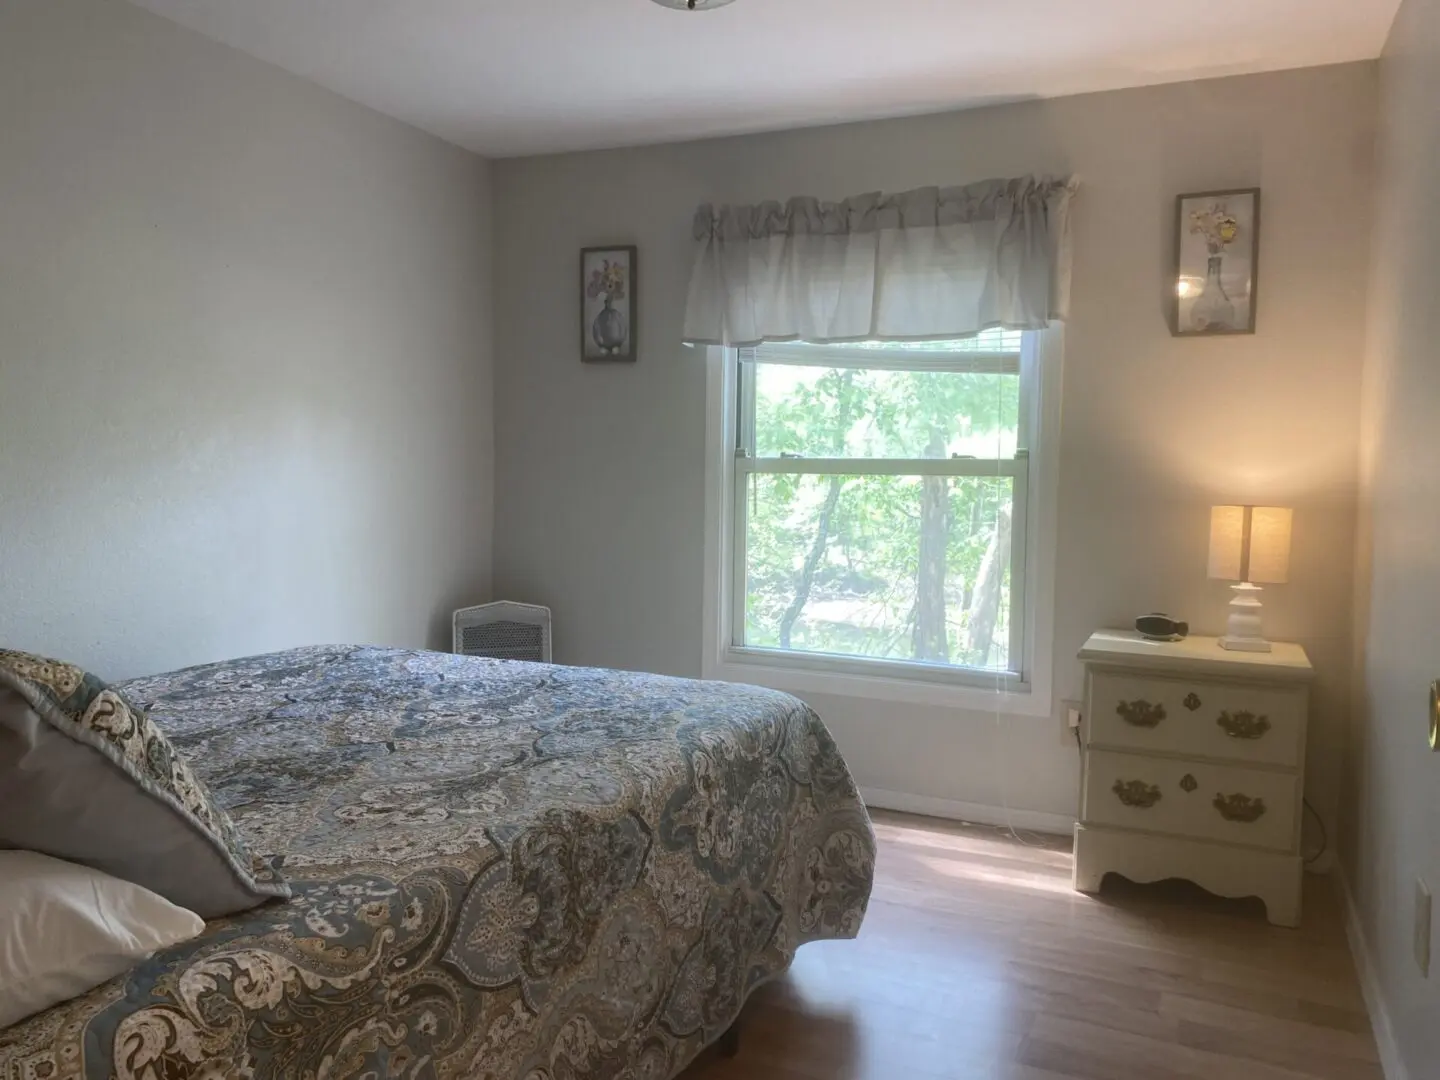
1217,259
609,304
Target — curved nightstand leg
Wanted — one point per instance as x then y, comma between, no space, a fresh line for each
1282,897
1089,871
1218,868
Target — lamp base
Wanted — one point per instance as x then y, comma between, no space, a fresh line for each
1243,633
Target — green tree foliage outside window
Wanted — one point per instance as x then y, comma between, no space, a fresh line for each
880,565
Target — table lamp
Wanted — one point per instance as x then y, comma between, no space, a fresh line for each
1249,545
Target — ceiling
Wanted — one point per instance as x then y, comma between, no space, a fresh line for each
514,77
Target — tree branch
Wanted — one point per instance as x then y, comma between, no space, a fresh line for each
812,563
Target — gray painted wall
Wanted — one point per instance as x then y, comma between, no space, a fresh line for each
600,493
1392,811
245,394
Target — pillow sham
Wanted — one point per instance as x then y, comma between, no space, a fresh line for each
65,929
88,777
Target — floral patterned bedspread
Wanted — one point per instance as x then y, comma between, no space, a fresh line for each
500,870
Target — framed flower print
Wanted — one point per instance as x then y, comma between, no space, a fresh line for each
1217,247
608,304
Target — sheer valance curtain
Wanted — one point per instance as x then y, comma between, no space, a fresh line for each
929,264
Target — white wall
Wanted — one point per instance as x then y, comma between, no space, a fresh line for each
1392,810
244,353
600,468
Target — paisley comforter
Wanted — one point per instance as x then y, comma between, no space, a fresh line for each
500,870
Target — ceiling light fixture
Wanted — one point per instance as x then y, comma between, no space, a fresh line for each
693,5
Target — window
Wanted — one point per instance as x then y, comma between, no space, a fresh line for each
880,506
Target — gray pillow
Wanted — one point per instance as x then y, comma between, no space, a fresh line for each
88,777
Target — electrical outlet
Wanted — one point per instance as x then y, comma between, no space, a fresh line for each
1422,927
1072,717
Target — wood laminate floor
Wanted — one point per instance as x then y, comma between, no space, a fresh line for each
978,962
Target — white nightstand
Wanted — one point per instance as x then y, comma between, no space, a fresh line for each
1194,764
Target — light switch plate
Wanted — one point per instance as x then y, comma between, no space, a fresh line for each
1422,927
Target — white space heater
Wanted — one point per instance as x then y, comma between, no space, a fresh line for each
504,631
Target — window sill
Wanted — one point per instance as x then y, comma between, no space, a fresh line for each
1015,699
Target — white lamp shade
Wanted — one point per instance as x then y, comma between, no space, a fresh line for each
1250,543
1227,541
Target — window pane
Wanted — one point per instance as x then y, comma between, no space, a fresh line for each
892,567
850,412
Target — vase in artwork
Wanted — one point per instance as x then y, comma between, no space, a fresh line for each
609,328
1213,309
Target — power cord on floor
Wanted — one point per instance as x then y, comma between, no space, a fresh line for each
1324,835
1001,731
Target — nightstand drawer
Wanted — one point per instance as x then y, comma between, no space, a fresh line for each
1191,798
1193,716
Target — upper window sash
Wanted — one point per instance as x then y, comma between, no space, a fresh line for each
859,357
978,355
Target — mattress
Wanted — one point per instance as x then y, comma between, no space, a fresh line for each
500,870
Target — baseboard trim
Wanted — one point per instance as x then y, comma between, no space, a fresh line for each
1390,1061
976,813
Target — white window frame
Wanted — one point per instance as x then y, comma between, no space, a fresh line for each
1026,692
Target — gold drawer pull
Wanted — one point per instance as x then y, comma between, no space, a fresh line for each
1136,793
1240,808
1140,713
1192,701
1243,725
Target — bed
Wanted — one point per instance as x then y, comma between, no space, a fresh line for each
499,870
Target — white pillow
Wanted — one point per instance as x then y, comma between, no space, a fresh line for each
65,929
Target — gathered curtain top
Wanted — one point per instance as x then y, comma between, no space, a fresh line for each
987,200
936,262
